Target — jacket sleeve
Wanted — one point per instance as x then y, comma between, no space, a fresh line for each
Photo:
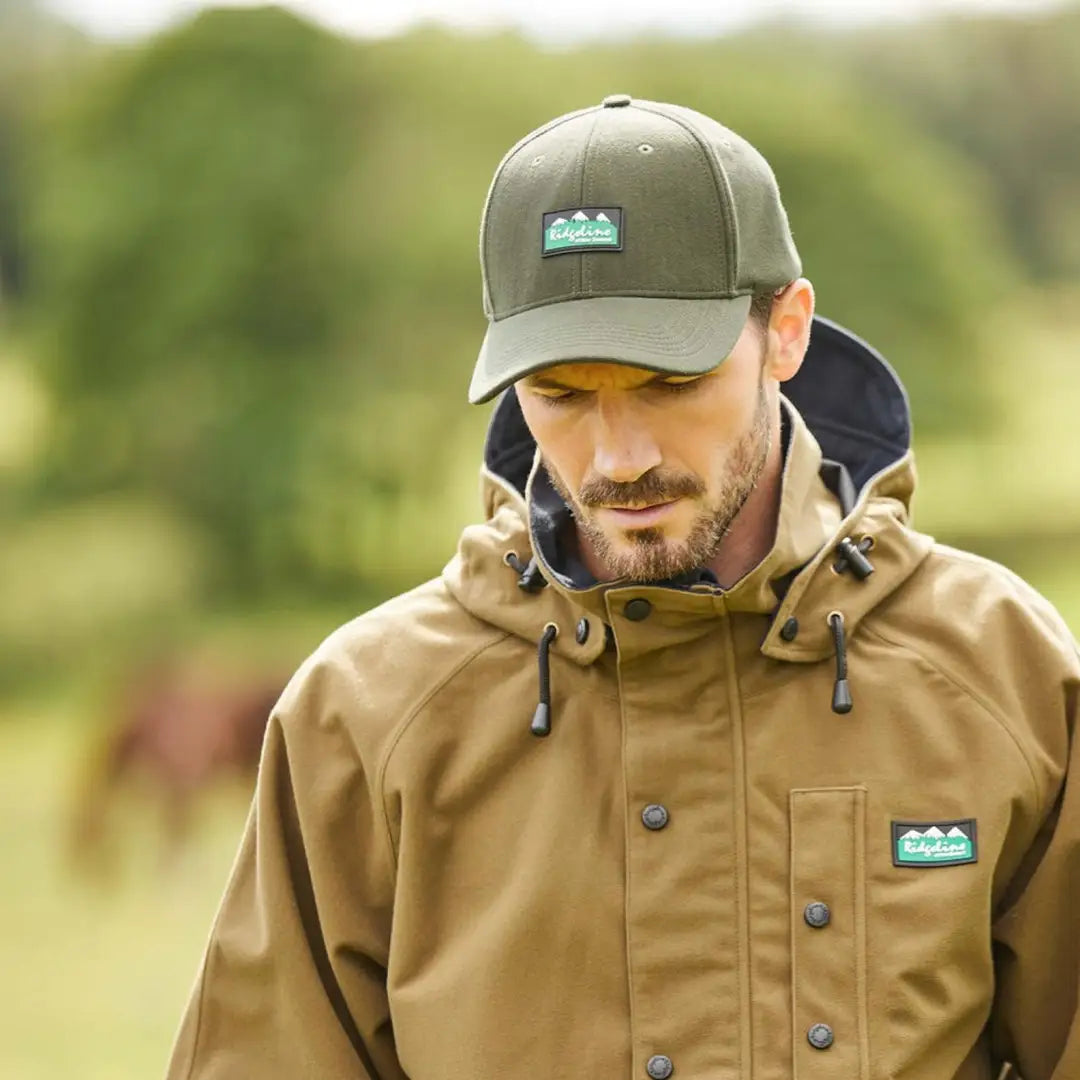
1036,1021
292,983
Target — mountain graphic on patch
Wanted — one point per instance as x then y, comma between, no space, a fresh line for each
934,843
582,228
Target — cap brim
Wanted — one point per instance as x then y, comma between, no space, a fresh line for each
681,337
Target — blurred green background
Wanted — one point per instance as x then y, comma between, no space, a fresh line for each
239,305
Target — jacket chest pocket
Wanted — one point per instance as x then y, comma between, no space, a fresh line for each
828,934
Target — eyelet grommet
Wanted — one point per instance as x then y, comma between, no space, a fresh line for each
646,148
510,557
866,543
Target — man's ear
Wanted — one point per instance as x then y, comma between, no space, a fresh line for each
789,329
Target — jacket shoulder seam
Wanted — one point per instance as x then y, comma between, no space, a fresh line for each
406,722
969,691
1031,596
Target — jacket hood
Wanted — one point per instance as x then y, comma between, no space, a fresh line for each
848,482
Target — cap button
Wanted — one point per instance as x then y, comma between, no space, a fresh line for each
616,101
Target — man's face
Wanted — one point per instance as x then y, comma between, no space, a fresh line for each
654,467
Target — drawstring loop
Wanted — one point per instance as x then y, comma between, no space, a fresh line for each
511,559
841,699
850,556
530,579
541,721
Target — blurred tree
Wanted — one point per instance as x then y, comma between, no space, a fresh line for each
191,272
1005,91
11,256
35,47
258,288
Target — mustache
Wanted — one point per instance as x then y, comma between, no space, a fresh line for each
650,488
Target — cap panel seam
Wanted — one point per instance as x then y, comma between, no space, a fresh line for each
489,307
580,268
723,189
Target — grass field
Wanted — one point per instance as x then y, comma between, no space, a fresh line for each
94,977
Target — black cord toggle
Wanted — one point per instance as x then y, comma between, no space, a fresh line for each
841,699
853,557
541,721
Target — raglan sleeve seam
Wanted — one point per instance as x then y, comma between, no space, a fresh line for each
986,706
406,722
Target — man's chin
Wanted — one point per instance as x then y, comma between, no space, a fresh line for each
644,555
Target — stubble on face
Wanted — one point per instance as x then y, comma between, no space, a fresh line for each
650,554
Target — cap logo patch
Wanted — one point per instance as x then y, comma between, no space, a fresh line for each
584,228
934,843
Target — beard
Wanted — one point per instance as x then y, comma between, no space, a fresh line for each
649,554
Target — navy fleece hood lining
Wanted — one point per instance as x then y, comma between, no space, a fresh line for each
850,397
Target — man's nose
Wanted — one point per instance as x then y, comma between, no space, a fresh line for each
623,448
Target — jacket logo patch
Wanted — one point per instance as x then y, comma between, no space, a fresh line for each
934,843
588,228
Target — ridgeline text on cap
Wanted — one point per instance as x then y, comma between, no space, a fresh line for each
633,232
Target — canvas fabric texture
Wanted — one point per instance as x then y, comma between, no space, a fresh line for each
635,232
425,890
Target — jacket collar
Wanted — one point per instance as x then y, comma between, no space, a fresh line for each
849,423
808,515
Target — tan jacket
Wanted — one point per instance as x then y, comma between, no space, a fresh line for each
703,871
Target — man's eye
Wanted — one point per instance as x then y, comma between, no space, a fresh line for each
679,387
559,397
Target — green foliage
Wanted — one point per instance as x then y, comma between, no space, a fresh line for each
34,48
1006,93
191,275
258,296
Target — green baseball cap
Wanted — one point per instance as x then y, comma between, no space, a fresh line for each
633,232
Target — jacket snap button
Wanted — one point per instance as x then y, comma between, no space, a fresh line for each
581,634
817,914
637,609
659,1067
820,1036
655,816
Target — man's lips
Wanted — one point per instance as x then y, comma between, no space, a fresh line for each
639,517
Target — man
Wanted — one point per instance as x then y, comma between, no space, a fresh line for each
697,760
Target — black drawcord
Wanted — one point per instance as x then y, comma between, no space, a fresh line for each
850,556
841,699
511,559
531,580
541,721
529,577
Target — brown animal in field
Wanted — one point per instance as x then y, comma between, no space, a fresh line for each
178,733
